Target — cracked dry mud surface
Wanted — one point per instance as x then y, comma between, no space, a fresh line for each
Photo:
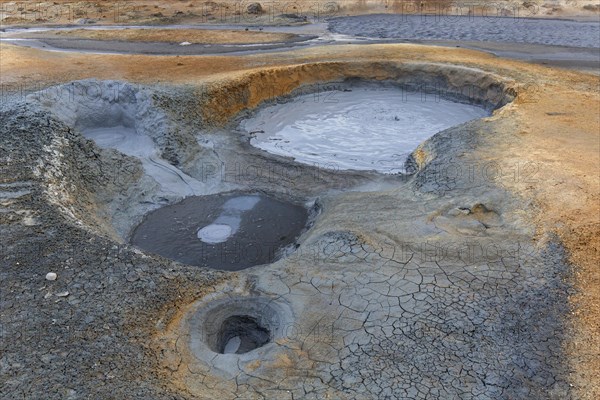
431,285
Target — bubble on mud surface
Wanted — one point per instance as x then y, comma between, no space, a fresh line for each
215,233
228,223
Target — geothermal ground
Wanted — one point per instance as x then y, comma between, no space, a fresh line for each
292,204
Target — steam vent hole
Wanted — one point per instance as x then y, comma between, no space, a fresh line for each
240,334
238,325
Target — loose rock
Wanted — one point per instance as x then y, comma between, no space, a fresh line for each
255,8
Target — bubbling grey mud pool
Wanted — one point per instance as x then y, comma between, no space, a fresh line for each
228,232
368,127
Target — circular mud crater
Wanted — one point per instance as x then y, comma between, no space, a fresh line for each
358,126
225,231
238,326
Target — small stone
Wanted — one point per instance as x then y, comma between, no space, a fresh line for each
254,8
62,294
132,277
51,276
456,212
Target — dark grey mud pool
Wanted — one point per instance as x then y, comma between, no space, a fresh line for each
225,231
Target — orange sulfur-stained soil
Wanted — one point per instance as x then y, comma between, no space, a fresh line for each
168,35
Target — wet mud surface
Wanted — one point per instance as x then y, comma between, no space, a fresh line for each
258,230
357,127
156,48
464,28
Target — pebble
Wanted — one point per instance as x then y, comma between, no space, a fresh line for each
51,276
132,277
62,294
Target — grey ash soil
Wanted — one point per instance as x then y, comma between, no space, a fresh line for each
431,287
91,342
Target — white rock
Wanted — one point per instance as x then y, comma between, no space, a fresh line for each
51,276
62,294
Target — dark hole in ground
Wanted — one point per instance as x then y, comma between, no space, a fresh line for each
240,334
227,232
